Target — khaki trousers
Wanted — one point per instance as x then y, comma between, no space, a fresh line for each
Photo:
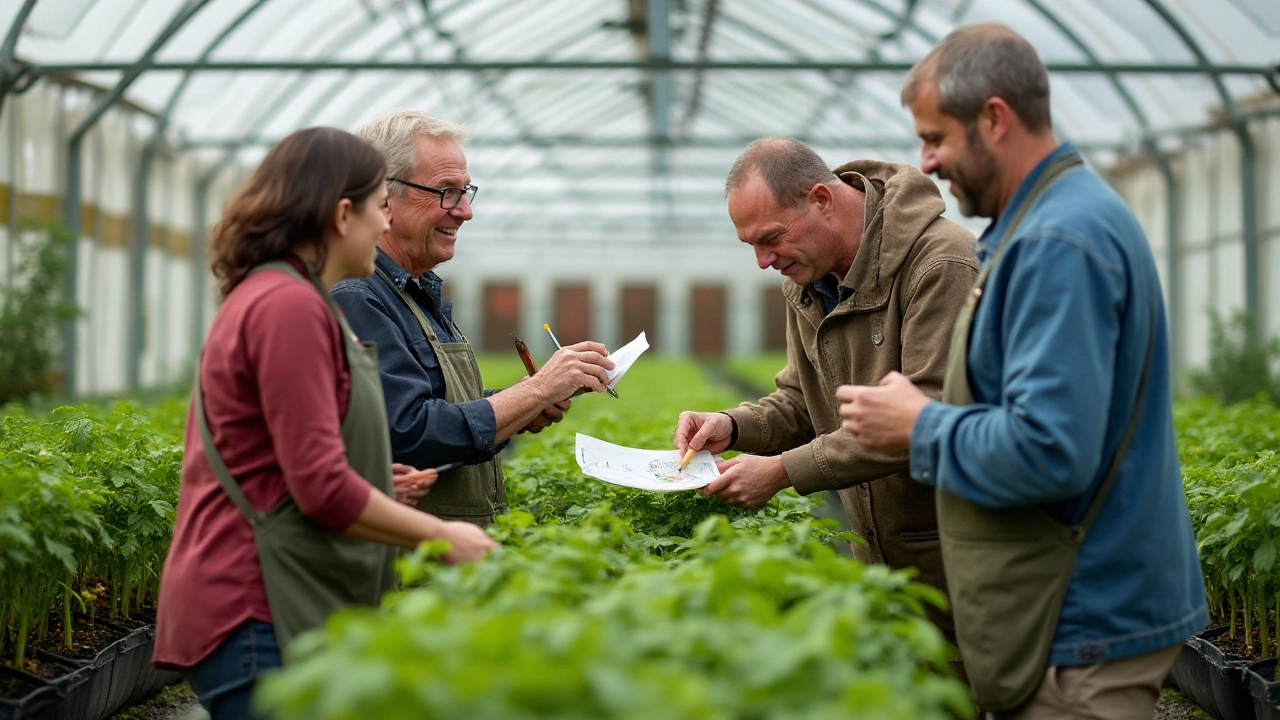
1124,689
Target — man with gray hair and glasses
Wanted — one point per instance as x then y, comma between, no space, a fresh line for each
1065,537
439,412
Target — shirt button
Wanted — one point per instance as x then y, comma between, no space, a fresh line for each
877,338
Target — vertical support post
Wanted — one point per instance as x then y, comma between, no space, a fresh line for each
1173,258
138,258
658,34
72,214
11,246
1249,224
199,241
75,151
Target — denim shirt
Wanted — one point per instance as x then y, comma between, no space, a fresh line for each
426,430
1056,353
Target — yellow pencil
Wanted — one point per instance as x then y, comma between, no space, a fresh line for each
688,455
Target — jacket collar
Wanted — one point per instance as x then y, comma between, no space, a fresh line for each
991,236
899,197
430,282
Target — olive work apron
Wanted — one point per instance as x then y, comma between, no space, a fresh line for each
308,570
474,493
1008,569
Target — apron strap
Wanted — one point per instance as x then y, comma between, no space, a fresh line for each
225,478
413,308
1104,489
1055,171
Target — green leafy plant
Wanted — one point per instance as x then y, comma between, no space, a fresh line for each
87,499
1231,473
605,602
32,311
1241,363
582,621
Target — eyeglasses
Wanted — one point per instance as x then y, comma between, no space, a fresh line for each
449,197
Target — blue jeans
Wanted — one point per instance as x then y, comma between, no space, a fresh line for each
224,681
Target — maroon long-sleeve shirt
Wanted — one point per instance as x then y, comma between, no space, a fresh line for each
276,388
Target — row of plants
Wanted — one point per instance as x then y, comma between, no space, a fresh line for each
603,601
87,501
608,602
1231,472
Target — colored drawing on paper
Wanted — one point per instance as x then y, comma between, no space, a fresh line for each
642,469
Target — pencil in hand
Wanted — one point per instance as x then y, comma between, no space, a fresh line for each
547,327
688,455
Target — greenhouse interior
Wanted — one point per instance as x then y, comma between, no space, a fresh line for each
599,138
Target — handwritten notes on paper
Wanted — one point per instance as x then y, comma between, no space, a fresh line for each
653,470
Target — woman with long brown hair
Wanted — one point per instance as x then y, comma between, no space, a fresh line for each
286,511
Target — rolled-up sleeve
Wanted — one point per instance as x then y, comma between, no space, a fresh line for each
295,350
426,430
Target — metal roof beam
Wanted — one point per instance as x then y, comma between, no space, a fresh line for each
7,76
571,141
647,65
709,14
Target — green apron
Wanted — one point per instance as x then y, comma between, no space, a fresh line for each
308,570
474,493
1008,569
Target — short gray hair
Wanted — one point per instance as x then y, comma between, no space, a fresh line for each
976,62
788,167
396,134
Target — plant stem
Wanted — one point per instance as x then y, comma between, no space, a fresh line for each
20,642
45,608
66,615
1248,617
1263,625
1231,593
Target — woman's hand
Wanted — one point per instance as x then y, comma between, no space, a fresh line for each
410,483
469,543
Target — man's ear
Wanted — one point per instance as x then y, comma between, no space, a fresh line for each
996,119
342,216
822,199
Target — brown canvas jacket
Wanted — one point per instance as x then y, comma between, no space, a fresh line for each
909,279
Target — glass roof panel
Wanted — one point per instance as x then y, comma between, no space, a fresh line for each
598,116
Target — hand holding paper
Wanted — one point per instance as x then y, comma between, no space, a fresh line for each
642,469
624,357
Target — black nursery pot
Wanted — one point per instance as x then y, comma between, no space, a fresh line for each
1213,679
23,695
75,688
130,667
1264,691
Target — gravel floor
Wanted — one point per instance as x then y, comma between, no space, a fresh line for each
175,702
1174,705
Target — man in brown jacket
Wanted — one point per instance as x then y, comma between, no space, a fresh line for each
875,277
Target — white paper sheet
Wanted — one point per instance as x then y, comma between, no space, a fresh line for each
625,356
653,470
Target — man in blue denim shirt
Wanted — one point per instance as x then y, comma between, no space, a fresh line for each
439,412
1055,357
